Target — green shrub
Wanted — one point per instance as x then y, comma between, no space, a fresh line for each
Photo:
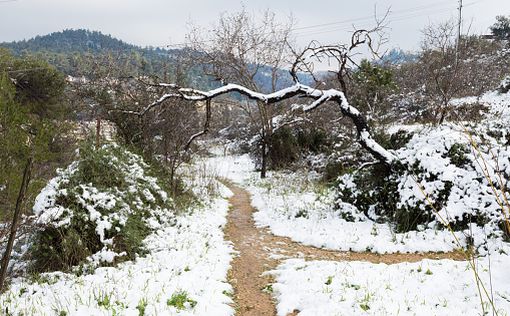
284,149
97,168
393,141
333,170
375,188
377,197
130,238
457,154
63,248
107,184
313,140
289,145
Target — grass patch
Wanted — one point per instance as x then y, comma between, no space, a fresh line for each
181,300
142,305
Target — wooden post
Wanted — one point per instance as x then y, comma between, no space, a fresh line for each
14,225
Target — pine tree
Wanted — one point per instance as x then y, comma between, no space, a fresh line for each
30,104
501,29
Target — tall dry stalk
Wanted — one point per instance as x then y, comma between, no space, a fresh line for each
498,189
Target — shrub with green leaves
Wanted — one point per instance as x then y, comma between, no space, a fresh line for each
98,210
288,145
439,181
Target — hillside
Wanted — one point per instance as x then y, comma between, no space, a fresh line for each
70,41
74,52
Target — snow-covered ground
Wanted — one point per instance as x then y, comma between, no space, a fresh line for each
183,273
293,205
189,256
429,287
189,259
307,216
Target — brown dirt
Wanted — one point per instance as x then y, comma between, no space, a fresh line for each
260,251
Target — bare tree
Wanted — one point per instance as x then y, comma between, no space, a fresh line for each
166,133
441,66
344,61
240,69
343,55
242,49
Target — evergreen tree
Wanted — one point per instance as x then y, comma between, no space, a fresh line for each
501,29
373,84
30,104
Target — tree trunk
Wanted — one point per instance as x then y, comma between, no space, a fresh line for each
14,225
98,132
442,114
172,182
263,167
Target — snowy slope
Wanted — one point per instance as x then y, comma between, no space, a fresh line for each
183,273
190,256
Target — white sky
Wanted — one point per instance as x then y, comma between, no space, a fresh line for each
162,22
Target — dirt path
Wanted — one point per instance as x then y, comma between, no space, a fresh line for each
260,251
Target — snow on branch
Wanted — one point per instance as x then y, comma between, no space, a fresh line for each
319,96
281,121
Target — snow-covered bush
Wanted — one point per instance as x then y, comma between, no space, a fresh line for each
442,179
98,210
453,175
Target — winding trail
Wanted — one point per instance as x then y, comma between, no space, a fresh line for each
260,251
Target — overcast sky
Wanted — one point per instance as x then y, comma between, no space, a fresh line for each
162,22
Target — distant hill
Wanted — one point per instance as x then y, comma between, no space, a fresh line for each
70,41
397,56
67,50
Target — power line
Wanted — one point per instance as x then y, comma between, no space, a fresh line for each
400,15
422,7
397,18
404,11
391,19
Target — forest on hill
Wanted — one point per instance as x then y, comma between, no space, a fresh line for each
78,52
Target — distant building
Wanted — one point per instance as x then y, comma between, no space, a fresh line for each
489,36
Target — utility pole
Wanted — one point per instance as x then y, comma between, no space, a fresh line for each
459,25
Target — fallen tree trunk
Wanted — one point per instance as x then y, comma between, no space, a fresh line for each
319,97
